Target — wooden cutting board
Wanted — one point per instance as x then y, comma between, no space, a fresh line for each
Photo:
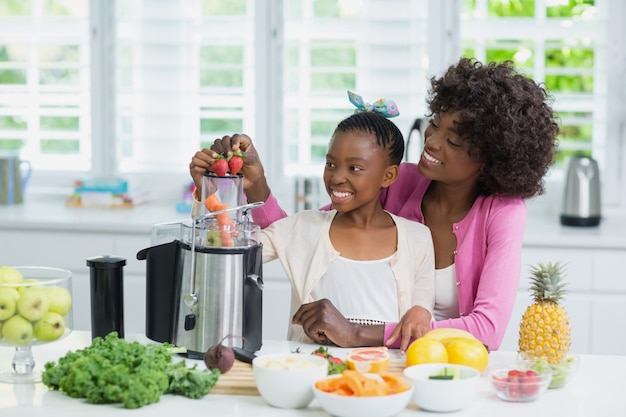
240,379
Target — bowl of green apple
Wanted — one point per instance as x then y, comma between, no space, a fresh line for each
35,308
562,371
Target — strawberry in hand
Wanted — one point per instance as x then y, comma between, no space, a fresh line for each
235,162
220,166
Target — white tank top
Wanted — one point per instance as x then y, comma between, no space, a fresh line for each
361,290
446,295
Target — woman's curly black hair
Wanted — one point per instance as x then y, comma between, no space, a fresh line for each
506,119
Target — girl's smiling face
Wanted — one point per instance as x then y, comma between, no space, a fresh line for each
356,169
446,157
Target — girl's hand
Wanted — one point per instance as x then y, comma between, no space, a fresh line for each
254,181
200,164
324,324
414,324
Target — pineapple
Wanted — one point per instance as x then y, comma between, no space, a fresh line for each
544,330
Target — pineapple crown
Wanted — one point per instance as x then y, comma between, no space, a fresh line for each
547,282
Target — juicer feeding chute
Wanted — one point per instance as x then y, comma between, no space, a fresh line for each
204,280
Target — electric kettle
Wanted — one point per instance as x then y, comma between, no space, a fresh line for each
581,198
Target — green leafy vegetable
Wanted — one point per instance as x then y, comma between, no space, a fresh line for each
335,364
113,370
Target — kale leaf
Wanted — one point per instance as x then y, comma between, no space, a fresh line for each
113,370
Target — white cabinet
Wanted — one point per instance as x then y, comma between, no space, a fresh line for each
70,250
596,296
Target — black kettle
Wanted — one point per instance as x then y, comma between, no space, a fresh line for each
581,198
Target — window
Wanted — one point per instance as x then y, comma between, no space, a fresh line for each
564,44
134,87
45,82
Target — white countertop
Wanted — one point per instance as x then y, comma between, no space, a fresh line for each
55,215
594,391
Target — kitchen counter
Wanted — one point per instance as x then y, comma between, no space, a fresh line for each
594,391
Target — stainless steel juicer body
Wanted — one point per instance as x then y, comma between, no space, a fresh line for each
228,305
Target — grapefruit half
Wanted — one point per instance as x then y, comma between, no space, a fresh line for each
368,360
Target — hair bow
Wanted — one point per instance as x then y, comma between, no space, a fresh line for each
386,107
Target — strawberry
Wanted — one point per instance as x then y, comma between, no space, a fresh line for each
235,163
530,383
514,377
220,166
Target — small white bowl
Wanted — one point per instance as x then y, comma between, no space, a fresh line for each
442,395
285,380
347,406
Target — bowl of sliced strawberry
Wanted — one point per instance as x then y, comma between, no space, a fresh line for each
520,384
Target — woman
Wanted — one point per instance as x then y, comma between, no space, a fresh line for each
490,141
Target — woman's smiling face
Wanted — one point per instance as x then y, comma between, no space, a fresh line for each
446,157
355,170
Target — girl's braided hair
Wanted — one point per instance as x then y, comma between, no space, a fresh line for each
388,136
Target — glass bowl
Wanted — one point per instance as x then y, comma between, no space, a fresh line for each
562,372
520,384
35,308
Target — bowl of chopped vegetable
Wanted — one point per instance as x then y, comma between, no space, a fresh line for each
562,372
520,384
284,380
442,387
356,394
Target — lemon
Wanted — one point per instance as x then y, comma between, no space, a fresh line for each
469,352
426,350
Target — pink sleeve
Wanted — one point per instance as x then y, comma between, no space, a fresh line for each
268,213
389,328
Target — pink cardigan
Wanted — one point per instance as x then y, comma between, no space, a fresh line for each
488,256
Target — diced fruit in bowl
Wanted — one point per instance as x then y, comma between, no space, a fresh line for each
356,394
562,372
520,384
285,380
442,387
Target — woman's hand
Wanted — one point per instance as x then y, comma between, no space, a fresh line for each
254,184
323,323
414,324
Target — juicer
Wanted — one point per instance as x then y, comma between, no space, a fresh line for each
204,282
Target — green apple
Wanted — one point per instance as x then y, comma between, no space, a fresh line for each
50,327
17,331
33,303
10,275
27,283
8,302
60,300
